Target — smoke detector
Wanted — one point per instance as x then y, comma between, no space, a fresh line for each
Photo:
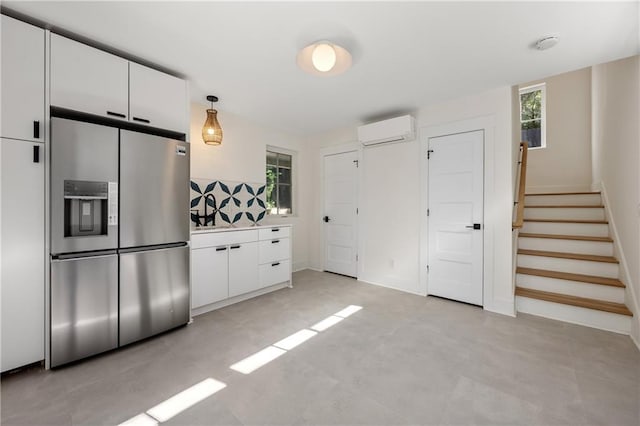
547,42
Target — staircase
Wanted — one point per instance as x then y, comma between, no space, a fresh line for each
565,264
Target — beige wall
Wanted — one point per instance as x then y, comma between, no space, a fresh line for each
390,194
616,164
565,164
242,158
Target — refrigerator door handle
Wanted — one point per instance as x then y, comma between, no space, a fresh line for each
150,248
79,256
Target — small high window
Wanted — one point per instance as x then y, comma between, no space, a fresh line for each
279,191
532,116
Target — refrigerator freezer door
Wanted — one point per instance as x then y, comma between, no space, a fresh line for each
81,154
84,307
154,292
154,190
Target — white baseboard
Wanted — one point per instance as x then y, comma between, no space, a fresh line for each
391,287
221,304
299,266
502,307
634,336
624,269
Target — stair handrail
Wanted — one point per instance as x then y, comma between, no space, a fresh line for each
521,183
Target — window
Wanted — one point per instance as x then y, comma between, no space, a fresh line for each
532,116
279,181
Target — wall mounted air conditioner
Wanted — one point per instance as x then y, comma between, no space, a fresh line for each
399,129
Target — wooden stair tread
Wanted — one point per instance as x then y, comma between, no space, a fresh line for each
564,206
604,222
566,237
582,302
590,279
576,256
564,193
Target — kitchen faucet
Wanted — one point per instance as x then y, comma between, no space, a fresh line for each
215,210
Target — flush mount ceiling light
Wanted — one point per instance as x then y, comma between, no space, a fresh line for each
547,42
211,131
324,58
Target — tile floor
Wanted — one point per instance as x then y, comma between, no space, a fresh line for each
402,359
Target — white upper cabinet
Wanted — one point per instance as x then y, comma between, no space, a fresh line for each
22,80
88,80
157,99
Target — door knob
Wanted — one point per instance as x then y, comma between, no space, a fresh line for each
474,226
326,219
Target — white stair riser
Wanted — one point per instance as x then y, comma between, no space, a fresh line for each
576,315
563,200
581,229
580,213
573,266
566,246
572,288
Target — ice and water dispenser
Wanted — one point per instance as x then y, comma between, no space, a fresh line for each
85,208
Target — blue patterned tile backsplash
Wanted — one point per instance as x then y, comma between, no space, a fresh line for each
230,203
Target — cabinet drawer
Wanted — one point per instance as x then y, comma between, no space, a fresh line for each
215,239
275,232
275,273
274,250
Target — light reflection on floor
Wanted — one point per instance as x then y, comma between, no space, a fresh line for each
200,391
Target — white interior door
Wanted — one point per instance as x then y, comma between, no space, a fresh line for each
340,217
456,186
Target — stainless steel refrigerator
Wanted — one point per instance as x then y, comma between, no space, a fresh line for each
119,233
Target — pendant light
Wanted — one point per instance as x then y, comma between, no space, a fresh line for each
212,132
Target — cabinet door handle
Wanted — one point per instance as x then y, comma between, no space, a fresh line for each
234,247
275,264
275,241
115,114
221,249
36,153
142,120
275,229
36,129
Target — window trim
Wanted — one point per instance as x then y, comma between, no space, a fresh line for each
543,111
294,180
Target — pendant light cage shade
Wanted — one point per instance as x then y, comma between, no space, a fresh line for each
212,132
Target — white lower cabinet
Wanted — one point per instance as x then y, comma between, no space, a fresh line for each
243,268
23,262
227,264
274,272
210,275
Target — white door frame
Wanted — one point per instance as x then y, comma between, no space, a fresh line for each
332,150
487,124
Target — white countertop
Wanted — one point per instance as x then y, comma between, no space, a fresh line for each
227,228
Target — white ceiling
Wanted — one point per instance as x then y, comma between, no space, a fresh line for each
406,55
